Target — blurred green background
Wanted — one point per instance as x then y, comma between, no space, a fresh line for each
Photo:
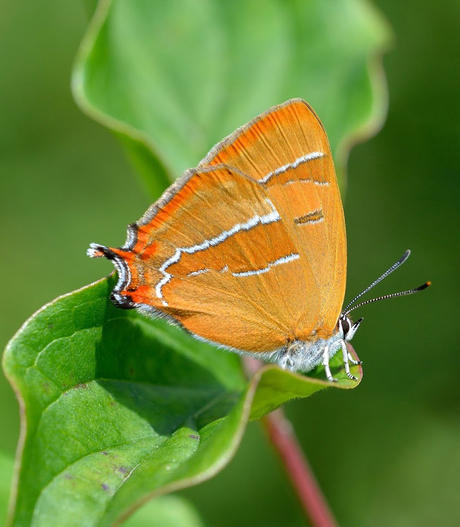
387,453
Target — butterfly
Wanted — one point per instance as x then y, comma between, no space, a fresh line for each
248,250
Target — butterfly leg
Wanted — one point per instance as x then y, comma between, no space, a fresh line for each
285,361
290,358
353,361
326,365
346,357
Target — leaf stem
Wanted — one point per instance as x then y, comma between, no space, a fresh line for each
281,434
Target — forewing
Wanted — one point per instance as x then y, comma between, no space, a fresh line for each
215,254
286,150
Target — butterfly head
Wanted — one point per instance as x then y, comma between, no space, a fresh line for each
347,327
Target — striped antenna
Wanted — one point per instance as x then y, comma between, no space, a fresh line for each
403,258
392,295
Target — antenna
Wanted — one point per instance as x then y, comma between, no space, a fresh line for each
403,258
392,295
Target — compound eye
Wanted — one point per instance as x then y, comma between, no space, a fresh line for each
345,325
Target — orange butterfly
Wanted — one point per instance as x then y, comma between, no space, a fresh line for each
248,250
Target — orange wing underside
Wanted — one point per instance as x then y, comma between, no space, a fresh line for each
249,249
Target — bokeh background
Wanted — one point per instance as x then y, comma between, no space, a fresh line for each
387,453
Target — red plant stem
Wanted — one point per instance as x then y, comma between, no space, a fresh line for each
281,434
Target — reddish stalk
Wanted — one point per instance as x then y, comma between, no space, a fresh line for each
281,434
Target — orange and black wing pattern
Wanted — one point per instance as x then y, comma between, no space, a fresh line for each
247,250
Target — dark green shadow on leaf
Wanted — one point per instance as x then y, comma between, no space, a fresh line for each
118,408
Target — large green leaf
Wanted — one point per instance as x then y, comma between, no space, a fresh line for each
117,408
173,78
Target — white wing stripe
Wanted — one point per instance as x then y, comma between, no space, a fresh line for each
285,259
295,164
272,217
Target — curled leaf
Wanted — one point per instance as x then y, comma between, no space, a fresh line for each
117,408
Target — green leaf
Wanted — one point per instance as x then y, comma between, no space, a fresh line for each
118,409
173,78
166,511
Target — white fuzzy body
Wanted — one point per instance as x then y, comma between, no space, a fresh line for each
303,356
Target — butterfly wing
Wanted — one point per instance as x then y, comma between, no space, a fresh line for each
287,151
248,250
214,254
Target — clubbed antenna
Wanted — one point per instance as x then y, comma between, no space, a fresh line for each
392,295
403,258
